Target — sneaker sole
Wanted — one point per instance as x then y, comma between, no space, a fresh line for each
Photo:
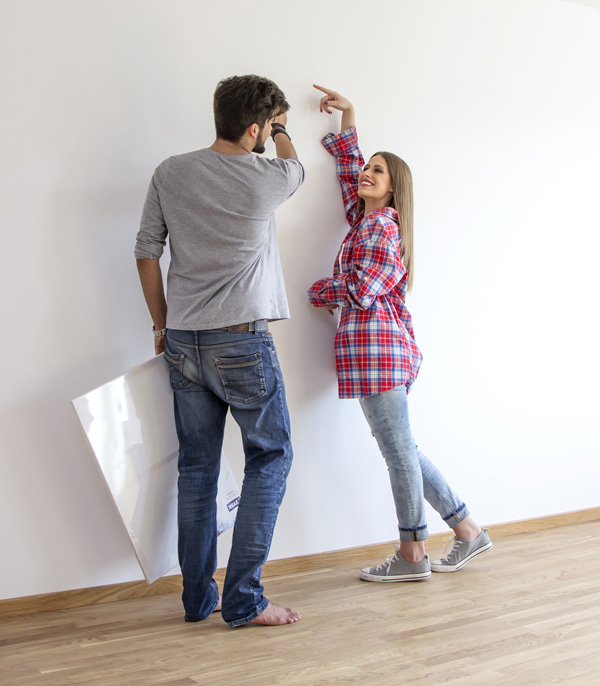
462,563
365,576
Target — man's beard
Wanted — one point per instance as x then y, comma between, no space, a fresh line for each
260,145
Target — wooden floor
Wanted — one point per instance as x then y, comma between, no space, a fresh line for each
526,613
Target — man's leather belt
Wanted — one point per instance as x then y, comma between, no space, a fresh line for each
247,327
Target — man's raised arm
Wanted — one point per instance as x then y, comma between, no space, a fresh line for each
283,144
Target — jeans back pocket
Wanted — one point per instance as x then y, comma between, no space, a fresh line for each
175,363
243,378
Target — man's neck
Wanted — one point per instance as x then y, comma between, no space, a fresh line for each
242,147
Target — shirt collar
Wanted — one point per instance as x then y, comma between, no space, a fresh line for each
387,212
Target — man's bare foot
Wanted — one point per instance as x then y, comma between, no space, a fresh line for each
219,604
276,616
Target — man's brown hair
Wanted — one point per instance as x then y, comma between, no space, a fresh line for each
241,101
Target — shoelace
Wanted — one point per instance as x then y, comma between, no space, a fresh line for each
453,554
389,559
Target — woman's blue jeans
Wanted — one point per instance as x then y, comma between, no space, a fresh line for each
212,372
413,477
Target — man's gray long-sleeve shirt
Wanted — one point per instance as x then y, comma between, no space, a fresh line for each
219,213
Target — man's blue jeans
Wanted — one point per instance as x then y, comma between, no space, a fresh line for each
413,477
212,372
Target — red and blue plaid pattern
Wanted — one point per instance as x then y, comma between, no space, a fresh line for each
375,347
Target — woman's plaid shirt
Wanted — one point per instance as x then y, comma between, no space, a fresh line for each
375,347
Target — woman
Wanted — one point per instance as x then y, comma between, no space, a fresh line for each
377,358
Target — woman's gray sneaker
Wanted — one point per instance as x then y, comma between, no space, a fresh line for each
461,552
396,568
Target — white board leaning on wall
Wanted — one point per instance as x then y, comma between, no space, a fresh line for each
130,426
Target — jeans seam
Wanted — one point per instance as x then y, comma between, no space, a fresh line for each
441,496
199,364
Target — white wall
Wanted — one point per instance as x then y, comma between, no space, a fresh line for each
494,104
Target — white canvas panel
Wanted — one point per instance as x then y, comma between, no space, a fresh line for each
130,426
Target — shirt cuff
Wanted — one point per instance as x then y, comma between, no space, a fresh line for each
345,142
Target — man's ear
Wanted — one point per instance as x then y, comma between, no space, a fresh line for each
253,130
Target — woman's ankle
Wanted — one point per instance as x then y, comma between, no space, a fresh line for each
412,551
468,529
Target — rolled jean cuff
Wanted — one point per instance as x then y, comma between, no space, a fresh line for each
412,535
212,588
253,615
457,516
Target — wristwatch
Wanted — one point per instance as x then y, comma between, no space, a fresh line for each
159,332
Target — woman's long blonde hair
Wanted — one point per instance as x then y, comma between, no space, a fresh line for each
402,202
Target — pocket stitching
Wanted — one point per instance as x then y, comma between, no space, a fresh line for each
254,360
176,366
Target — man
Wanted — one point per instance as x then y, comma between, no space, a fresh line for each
224,285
